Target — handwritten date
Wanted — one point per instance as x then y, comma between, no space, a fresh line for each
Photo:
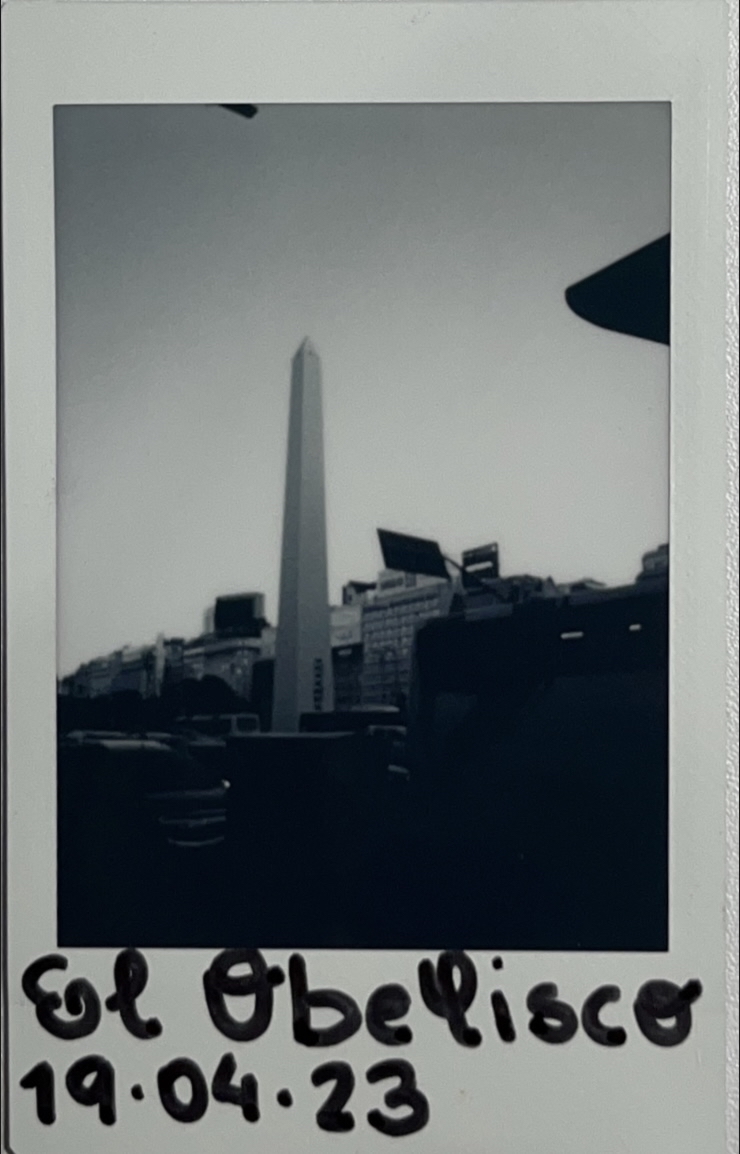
91,1082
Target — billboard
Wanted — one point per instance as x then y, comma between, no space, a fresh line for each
412,554
241,613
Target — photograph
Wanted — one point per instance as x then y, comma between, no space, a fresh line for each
362,509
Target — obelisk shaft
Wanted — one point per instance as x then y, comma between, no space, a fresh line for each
303,672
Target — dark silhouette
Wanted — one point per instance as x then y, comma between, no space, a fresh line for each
248,110
631,296
128,712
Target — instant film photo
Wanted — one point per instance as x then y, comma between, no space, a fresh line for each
365,762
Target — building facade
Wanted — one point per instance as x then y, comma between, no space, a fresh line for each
231,659
391,614
136,672
654,563
228,652
174,661
346,661
194,658
347,654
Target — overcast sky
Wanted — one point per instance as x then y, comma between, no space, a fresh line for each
425,250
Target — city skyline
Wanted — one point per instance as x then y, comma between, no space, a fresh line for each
189,267
337,608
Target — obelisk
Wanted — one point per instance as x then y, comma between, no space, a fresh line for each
303,672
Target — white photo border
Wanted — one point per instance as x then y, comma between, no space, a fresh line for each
533,50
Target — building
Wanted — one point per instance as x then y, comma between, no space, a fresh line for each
303,668
346,625
231,659
347,654
229,645
357,592
268,641
66,686
174,661
398,603
583,585
346,661
514,590
133,668
101,673
228,652
479,565
135,671
94,678
654,563
194,658
91,679
390,617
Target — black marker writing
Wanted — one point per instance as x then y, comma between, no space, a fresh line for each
218,982
224,1089
502,1017
385,1005
501,1012
405,1094
41,1079
80,1000
446,999
332,1116
592,1024
304,1000
130,974
660,1001
543,1005
99,1092
193,1110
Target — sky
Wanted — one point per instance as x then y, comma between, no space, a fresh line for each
425,250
